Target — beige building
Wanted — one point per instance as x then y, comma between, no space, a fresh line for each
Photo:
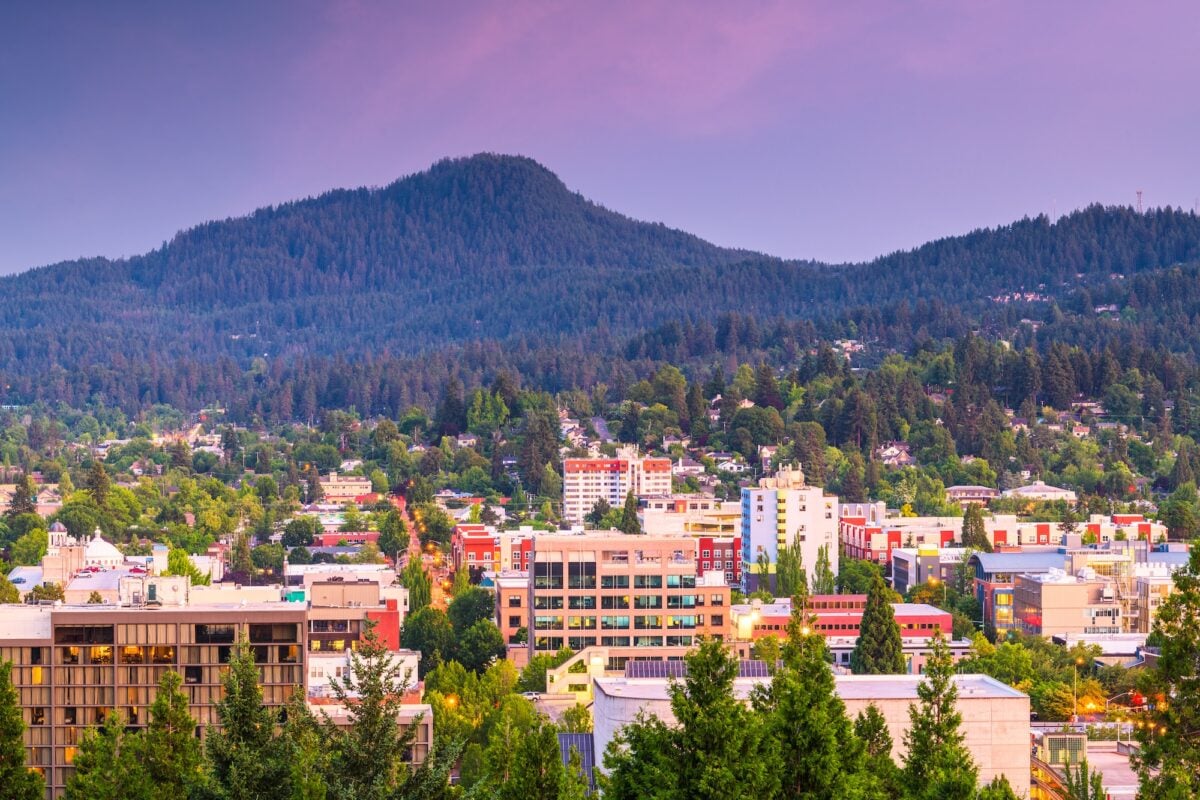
1151,588
1058,603
73,664
638,596
691,514
342,489
995,717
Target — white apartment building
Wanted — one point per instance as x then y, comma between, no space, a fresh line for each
586,480
785,511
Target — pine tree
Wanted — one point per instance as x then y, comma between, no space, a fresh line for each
1182,472
629,515
937,765
24,498
721,749
879,650
368,755
244,753
305,751
824,581
817,756
168,747
974,532
853,490
17,780
1170,744
97,484
108,766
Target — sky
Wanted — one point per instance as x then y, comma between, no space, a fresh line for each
836,131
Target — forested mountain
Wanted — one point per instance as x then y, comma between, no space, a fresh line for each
374,296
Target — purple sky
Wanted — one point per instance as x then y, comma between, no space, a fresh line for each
836,131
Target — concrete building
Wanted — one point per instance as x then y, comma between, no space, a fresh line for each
1039,491
995,574
912,566
586,480
786,512
638,596
1056,603
690,513
342,489
995,717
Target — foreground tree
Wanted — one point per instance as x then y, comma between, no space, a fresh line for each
818,756
938,765
244,753
18,782
168,748
718,751
108,765
1170,746
878,650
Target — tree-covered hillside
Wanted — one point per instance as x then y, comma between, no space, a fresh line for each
491,262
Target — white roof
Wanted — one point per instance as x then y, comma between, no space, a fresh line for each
100,550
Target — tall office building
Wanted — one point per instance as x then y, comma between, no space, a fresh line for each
785,511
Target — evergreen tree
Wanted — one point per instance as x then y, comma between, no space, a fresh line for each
452,411
24,498
818,756
629,515
108,765
718,750
879,650
551,483
1182,472
937,765
1170,745
17,780
393,533
168,748
766,388
974,532
368,755
303,740
244,753
853,490
824,581
97,484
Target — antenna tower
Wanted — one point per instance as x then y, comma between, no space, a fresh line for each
1139,194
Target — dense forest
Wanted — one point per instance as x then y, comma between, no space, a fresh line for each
373,297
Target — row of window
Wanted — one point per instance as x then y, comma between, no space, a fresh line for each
555,643
622,622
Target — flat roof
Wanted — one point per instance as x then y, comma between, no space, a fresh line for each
848,687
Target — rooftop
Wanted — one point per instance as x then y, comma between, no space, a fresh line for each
849,687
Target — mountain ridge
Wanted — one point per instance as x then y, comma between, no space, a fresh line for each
494,248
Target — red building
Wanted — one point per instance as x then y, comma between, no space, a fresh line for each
721,554
872,541
334,538
836,615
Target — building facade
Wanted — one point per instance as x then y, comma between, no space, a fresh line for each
587,480
783,511
641,597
